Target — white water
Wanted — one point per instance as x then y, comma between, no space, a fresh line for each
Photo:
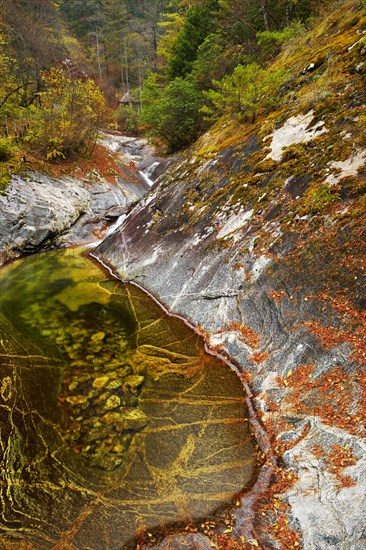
111,229
115,143
146,178
150,170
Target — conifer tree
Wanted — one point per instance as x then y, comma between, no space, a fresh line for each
198,24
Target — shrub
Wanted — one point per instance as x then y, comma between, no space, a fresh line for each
129,117
271,42
209,64
5,150
246,91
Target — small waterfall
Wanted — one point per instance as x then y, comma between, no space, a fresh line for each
115,226
146,179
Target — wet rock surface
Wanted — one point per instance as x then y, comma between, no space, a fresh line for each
38,211
141,152
35,208
137,149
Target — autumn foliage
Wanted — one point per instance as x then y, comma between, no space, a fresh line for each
67,117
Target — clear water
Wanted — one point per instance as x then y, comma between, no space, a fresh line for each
113,419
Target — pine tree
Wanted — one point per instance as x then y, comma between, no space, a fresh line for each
115,28
198,24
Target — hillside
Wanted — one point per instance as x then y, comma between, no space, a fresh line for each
257,236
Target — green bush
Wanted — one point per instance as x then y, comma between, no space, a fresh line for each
174,115
248,90
271,42
209,64
129,117
5,150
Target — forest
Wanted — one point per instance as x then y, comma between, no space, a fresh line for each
163,68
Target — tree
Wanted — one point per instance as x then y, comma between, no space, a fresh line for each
146,18
209,64
171,26
240,20
271,42
115,35
8,83
83,16
68,117
36,38
266,15
243,93
175,115
198,24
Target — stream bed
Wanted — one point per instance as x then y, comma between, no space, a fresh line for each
113,419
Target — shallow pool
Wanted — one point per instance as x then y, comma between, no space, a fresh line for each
113,419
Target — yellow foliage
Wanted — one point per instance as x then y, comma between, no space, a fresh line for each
68,117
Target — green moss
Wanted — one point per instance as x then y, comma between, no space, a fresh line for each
361,125
317,198
292,152
335,94
267,165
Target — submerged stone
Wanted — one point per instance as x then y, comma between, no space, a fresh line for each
114,385
77,399
115,418
98,337
134,381
100,382
112,402
135,420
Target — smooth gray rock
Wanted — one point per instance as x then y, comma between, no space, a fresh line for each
35,208
225,267
37,211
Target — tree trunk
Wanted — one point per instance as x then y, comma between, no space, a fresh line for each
122,75
98,54
141,82
265,13
106,62
126,65
155,46
288,13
